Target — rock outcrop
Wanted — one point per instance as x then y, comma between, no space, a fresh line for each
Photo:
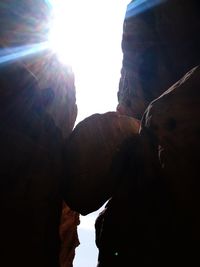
69,236
160,44
173,121
37,111
160,191
32,141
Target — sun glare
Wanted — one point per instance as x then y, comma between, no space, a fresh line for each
62,39
87,35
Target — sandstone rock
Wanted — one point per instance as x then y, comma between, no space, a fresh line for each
160,44
152,218
60,98
173,119
69,236
37,112
31,164
23,23
90,151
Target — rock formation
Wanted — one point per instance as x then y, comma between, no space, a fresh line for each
32,141
160,192
37,111
173,120
160,44
90,150
151,218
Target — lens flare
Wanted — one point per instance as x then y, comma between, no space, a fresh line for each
139,6
15,53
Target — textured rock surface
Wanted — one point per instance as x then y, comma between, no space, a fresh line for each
57,90
128,229
159,192
23,22
91,147
173,119
160,45
69,237
152,218
37,112
31,165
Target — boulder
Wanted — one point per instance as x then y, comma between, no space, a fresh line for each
90,150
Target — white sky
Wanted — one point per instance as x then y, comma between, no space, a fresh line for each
87,35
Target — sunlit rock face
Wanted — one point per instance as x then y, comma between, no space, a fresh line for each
160,44
32,136
57,89
89,161
69,236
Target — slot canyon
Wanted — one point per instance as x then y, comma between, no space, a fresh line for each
139,161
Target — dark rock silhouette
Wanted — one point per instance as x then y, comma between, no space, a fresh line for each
94,140
151,218
160,44
37,111
32,143
160,194
159,189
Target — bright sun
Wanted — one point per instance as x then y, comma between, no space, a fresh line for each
87,35
63,34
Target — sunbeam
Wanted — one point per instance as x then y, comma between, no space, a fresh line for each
12,54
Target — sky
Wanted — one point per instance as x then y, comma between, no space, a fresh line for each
87,36
90,41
